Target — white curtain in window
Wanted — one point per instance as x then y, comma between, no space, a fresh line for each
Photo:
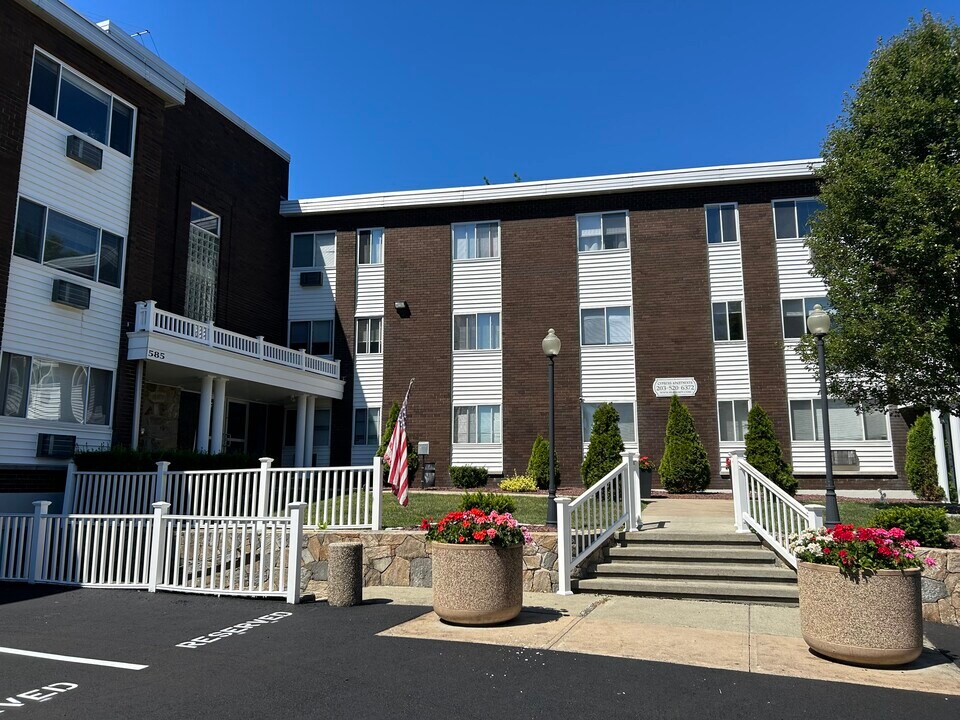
464,245
628,431
618,325
464,424
594,332
801,416
57,392
614,231
589,227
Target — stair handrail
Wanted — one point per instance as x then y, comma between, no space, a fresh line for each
587,522
760,505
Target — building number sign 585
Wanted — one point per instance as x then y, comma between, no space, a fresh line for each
155,354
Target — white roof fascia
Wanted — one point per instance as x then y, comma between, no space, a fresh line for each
716,175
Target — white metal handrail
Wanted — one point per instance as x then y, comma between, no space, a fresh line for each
586,523
762,506
150,318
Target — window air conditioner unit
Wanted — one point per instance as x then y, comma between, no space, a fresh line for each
55,446
72,294
84,152
311,279
845,458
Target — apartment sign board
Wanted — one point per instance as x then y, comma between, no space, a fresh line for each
682,386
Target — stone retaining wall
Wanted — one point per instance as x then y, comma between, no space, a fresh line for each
941,587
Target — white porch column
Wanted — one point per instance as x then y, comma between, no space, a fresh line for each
955,442
308,434
137,391
203,424
219,408
301,429
940,450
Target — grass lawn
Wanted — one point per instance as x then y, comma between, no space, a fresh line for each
531,509
860,514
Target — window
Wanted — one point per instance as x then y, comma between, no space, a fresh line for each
203,263
728,320
51,238
602,232
54,391
366,426
791,218
314,250
476,240
369,335
733,419
627,425
313,336
846,424
476,332
80,104
370,246
321,428
476,424
722,224
795,314
605,326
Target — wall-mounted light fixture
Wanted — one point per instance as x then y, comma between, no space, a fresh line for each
403,309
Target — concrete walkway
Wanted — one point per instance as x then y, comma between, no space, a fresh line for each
682,515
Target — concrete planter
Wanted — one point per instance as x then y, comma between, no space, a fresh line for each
873,621
477,584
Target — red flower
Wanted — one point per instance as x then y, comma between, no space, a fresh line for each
461,539
465,523
826,551
425,524
479,536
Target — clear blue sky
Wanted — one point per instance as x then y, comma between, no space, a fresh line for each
375,95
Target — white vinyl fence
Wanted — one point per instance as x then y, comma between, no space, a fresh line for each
584,524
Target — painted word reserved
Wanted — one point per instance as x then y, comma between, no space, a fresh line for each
47,692
238,629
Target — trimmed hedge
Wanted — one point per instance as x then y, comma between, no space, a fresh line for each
684,467
519,484
468,476
927,525
488,502
121,459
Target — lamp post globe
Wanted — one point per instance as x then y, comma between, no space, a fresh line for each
551,348
818,323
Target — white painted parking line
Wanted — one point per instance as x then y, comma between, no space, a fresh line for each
71,659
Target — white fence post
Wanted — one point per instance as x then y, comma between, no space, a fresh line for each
160,490
630,488
37,538
739,484
156,544
70,488
377,484
815,518
263,488
296,541
563,546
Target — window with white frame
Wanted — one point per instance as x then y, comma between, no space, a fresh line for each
76,102
366,426
370,246
476,240
791,218
480,331
57,240
55,391
203,264
846,424
795,313
605,326
313,250
628,427
313,336
604,231
722,225
476,424
369,336
728,320
733,419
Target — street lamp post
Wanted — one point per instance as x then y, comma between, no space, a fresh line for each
818,323
551,348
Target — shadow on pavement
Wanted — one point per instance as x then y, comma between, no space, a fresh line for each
19,592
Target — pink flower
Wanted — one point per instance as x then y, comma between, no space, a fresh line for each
930,562
491,533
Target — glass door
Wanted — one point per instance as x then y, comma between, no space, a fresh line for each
236,427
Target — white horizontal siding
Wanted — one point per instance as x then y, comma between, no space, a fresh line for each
876,457
801,381
100,197
478,378
608,371
793,269
726,271
370,291
313,303
368,381
488,455
476,286
732,370
18,439
362,454
726,450
633,447
604,278
33,325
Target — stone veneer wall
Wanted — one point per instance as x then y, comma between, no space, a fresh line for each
941,587
159,417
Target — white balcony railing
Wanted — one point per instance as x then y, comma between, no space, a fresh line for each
152,319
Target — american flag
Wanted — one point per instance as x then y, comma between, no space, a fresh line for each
396,454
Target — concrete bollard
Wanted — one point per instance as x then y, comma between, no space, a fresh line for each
345,574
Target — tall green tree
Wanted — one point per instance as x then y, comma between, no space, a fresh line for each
413,460
606,445
764,452
684,467
887,242
538,467
921,461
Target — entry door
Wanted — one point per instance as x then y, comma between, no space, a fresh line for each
236,427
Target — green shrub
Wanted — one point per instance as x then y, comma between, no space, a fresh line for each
539,465
488,502
519,484
684,467
413,460
122,459
606,445
763,450
921,460
468,476
927,525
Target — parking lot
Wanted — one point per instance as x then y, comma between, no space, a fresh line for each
119,654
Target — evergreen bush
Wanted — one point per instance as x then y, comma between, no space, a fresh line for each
413,460
764,452
519,484
539,465
684,467
921,460
927,525
606,445
468,476
122,459
488,502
